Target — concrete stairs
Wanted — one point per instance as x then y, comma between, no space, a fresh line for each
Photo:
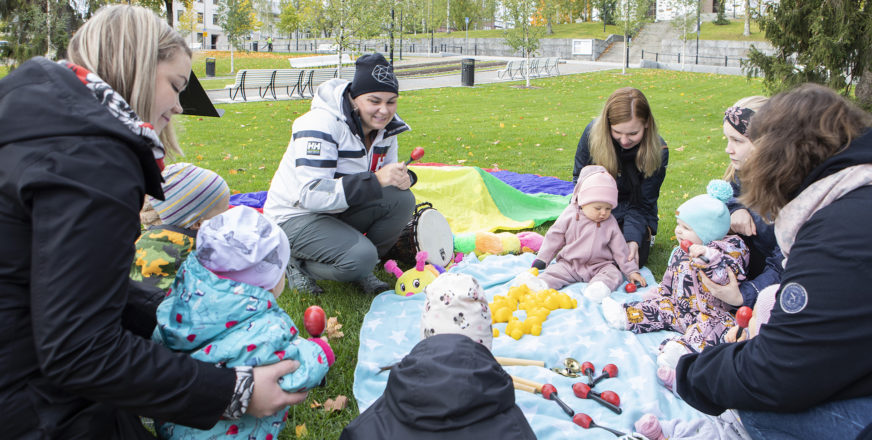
648,40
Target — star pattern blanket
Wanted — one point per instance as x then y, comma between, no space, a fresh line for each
392,327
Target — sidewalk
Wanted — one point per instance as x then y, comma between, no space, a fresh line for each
567,67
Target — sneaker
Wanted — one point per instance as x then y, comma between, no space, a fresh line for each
372,285
299,281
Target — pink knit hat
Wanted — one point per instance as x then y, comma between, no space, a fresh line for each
598,187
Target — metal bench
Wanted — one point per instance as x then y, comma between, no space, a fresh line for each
290,79
315,78
249,79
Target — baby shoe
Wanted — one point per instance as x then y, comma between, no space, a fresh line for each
614,314
666,376
670,353
650,427
596,291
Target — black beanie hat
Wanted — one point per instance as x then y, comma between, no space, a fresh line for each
373,74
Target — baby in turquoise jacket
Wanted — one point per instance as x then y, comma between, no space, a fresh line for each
222,309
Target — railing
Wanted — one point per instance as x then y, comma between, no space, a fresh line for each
696,59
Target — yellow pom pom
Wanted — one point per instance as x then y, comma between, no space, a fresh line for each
536,330
565,301
535,271
516,334
496,332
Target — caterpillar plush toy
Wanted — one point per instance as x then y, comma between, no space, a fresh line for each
415,279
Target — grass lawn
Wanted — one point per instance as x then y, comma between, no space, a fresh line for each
498,125
732,31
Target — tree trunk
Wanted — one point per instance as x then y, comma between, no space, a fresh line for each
48,29
231,58
863,91
169,6
747,31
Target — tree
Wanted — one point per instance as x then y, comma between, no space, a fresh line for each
289,19
607,11
685,22
523,36
237,18
188,21
822,41
631,15
354,19
747,29
722,14
264,10
37,27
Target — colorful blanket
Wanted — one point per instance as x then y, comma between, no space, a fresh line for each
392,327
499,199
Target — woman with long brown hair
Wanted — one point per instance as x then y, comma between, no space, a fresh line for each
808,371
625,141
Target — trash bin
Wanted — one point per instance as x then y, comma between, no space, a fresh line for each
210,66
467,72
254,46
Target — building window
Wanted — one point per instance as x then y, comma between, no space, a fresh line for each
200,18
179,14
215,19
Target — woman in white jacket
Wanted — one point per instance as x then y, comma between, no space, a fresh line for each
340,179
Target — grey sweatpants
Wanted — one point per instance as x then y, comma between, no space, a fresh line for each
333,247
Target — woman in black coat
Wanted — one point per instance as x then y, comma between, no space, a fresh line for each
808,371
624,140
81,143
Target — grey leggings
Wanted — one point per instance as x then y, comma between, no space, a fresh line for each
333,247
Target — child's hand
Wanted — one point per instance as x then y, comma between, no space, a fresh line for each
696,250
268,398
636,277
731,334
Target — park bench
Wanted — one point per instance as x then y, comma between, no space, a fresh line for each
290,79
507,71
249,79
346,73
315,78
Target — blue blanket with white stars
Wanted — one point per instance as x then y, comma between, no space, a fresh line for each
392,327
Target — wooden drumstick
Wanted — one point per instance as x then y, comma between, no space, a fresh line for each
507,362
537,387
522,387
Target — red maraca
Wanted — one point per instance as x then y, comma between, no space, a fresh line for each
607,399
417,153
588,370
584,420
685,246
630,287
550,393
315,320
743,315
610,370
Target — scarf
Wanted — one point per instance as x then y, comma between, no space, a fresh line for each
119,108
814,198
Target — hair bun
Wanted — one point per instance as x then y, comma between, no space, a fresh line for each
720,189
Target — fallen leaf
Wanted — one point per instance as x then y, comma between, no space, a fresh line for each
301,431
337,404
233,171
333,328
315,404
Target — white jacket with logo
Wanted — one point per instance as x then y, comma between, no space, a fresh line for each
326,167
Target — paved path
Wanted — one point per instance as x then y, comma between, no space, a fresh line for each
452,80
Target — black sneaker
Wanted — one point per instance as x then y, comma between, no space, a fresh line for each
299,281
372,285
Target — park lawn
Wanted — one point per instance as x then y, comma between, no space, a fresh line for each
567,30
732,31
497,125
242,59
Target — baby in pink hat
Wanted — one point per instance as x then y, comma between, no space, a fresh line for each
585,242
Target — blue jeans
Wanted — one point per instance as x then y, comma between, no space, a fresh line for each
843,419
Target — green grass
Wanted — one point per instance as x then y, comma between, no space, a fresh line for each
567,30
524,130
732,31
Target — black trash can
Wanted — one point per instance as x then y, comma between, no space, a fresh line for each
467,72
210,66
254,46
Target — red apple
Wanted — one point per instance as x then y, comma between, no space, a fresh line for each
630,287
417,153
315,320
743,315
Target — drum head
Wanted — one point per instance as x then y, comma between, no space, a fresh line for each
434,235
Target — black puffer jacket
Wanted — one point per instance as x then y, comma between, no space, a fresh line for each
72,181
637,194
819,349
447,387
